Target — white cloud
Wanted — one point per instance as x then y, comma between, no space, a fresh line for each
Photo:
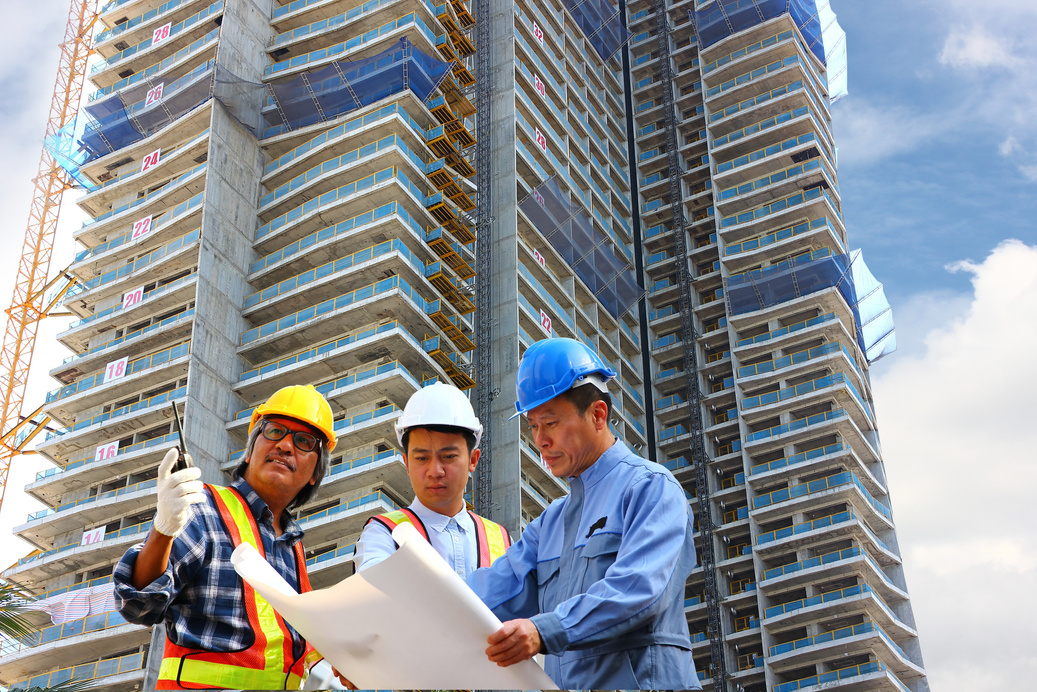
958,435
991,49
868,132
1009,146
1029,172
975,47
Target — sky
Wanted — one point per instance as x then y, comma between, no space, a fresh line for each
938,176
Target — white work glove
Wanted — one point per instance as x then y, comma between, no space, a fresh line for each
176,493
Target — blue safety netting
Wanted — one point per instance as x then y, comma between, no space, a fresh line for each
591,254
719,19
343,86
602,24
876,330
834,39
800,276
64,147
128,116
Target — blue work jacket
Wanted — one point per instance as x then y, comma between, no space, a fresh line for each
601,574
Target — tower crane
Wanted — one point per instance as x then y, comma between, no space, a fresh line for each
29,304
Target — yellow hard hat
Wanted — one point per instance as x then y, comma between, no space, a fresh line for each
303,403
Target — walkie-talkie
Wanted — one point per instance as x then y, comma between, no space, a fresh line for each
182,462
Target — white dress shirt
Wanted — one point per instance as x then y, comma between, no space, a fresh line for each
454,538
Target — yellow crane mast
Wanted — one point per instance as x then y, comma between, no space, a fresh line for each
29,304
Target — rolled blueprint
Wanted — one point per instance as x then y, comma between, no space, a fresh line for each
408,622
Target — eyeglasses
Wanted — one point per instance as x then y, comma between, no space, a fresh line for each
303,441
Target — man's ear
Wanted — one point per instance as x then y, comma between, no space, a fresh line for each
600,414
474,460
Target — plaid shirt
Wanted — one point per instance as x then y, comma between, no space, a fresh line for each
200,596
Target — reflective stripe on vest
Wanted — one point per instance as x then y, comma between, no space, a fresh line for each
269,662
492,540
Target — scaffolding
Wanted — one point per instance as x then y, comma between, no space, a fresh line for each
689,339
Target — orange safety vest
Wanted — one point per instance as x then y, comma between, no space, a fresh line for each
266,665
492,540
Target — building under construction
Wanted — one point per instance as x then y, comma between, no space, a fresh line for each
370,197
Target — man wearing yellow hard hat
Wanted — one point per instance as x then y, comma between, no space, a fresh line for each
220,634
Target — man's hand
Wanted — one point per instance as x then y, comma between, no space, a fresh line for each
176,493
516,641
343,679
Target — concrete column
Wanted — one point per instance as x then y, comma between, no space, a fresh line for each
504,454
235,165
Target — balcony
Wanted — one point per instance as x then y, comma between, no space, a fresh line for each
845,602
734,56
315,215
102,508
821,485
301,330
169,67
103,672
848,522
79,642
813,202
47,564
872,672
347,353
360,162
161,45
119,379
185,187
360,268
829,388
168,152
50,485
373,41
125,420
776,184
330,29
173,328
346,518
848,561
106,284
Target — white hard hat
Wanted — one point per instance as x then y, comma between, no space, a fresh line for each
438,404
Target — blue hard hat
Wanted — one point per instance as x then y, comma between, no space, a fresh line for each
552,366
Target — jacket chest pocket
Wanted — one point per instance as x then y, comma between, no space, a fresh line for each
547,584
596,557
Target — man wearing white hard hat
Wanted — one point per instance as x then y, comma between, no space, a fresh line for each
439,435
596,582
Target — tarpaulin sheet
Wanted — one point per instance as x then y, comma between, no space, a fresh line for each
343,86
717,20
798,277
588,251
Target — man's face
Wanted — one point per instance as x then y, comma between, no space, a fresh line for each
567,441
438,464
277,471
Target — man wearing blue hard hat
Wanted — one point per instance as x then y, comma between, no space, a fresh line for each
597,581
